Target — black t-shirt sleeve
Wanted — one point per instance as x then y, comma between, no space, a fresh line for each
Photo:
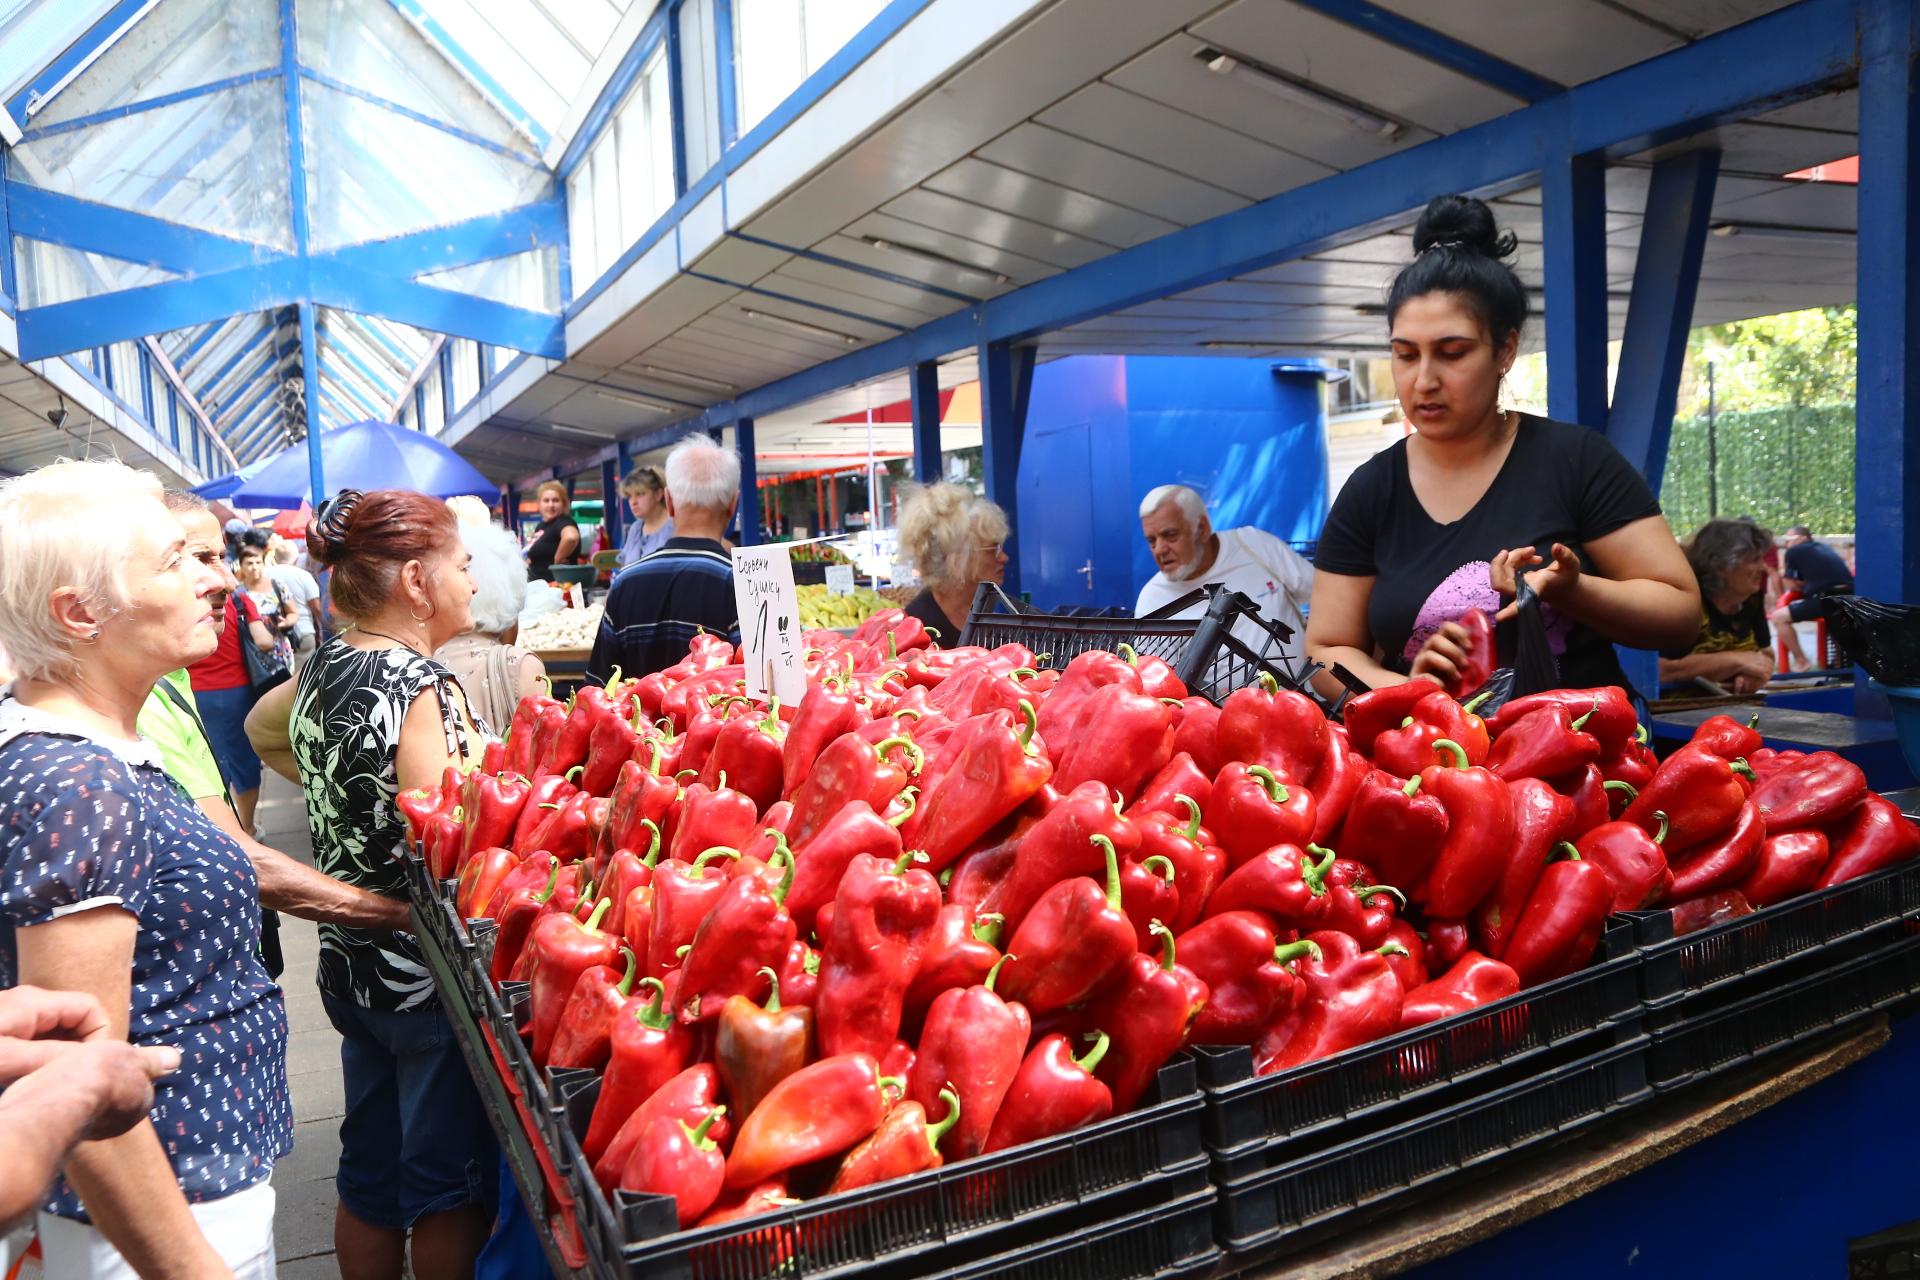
1611,495
1352,528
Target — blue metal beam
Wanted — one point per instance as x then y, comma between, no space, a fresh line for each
459,315
861,268
1443,50
1573,213
749,518
135,237
75,54
354,91
1666,277
492,235
924,396
632,62
611,507
146,104
1006,377
509,106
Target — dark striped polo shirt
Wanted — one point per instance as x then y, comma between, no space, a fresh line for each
659,603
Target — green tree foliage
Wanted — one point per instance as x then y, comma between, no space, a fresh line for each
1788,361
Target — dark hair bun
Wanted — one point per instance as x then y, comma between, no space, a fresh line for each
1462,222
327,531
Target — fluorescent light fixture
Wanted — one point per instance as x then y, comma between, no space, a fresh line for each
626,398
580,431
1780,231
1295,345
800,325
690,379
928,255
1226,64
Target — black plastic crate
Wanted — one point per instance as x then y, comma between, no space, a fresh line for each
1156,1244
1687,1046
1313,1196
1256,1122
1800,927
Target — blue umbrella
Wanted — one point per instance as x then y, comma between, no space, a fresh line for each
225,485
365,455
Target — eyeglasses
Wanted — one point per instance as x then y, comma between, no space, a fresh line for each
988,548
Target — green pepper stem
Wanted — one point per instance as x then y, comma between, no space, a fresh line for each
1113,870
1268,683
1092,1059
1452,748
1166,875
625,985
613,680
1192,830
881,748
786,879
1032,727
1741,766
994,972
988,928
700,863
1589,712
686,773
1125,650
600,909
1166,944
1479,698
553,882
1753,721
1633,792
912,796
1662,836
653,845
773,1001
1391,949
1288,952
1642,735
652,1015
699,1136
1413,785
579,768
1564,850
1374,890
935,1132
656,753
1276,790
1316,874
884,1083
905,860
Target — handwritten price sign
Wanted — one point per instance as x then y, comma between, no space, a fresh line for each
769,622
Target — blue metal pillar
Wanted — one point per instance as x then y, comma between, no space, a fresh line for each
749,484
1573,199
1887,447
310,380
1006,382
924,381
1666,276
511,512
612,509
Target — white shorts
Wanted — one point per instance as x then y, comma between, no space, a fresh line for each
239,1227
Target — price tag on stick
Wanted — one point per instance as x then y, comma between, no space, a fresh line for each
840,579
769,622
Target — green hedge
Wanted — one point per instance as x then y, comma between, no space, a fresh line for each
1781,466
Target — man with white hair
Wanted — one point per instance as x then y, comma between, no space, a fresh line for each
1248,560
658,604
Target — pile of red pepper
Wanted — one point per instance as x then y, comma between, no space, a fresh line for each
952,902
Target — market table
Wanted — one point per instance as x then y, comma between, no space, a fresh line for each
564,666
1871,744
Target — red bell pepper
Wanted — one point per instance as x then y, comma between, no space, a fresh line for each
1362,911
747,756
1726,737
1479,834
1473,980
1698,791
1478,650
1563,920
1635,863
756,1047
1053,1093
672,1159
1148,895
1284,882
1348,996
800,975
904,1143
1334,784
441,845
418,806
1722,861
568,746
1249,976
548,793
1282,730
692,1095
1592,804
566,833
991,772
1376,711
850,768
1150,1007
1196,727
1059,846
827,711
972,1042
492,809
883,914
521,733
708,819
548,721
1252,809
636,919
1406,953
1408,749
683,894
584,1037
1542,818
1394,828
1790,863
1871,838
1546,744
1609,712
611,744
819,1111
856,829
647,1049
1767,761
747,932
1122,739
562,949
1447,940
1813,792
627,871
1181,776
960,952
1709,909
1074,939
1060,716
1198,863
484,874
1157,677
518,908
1634,765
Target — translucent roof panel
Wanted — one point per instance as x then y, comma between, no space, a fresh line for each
52,273
35,32
535,53
217,162
530,279
180,45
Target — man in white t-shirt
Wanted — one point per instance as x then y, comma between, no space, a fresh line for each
297,585
1248,560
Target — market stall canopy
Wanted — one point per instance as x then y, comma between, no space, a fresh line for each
224,487
365,455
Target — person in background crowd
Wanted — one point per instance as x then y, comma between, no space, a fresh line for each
299,587
1816,571
556,539
1248,560
1444,520
276,609
953,541
1734,648
66,1079
655,608
113,883
646,495
224,694
373,714
493,672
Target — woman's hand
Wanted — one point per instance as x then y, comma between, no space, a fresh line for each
1552,584
1443,658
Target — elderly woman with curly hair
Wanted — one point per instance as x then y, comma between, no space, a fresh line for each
1735,646
494,671
952,539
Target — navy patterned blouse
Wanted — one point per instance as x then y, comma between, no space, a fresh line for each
88,822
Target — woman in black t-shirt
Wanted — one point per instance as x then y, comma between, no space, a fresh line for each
556,538
1443,520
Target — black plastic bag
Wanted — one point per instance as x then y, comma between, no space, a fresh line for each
1883,638
1522,639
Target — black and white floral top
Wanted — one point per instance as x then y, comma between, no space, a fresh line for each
90,822
345,728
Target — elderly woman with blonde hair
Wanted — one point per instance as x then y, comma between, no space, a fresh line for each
116,884
952,538
494,672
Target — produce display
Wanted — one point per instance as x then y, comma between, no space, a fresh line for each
951,903
562,629
821,609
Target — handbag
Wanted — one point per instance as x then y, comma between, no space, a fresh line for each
266,669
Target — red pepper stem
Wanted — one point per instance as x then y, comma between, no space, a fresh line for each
1452,748
1662,836
1276,790
907,859
546,680
893,647
786,879
553,882
656,753
699,1136
700,863
935,1132
771,725
994,972
1092,1059
1268,683
600,910
773,1001
1032,727
1166,875
1192,830
1391,949
625,986
1126,651
613,681
1315,874
1589,712
1643,736
1633,792
1413,785
1564,850
912,796
653,846
1166,944
1741,766
1479,698
1288,952
881,748
988,927
1753,721
1374,890
1113,870
579,768
686,773
652,1015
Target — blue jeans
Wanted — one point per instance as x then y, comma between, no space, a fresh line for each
224,712
415,1139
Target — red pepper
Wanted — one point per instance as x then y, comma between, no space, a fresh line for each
1563,919
672,1159
1545,744
562,950
1180,777
1726,737
1074,939
757,1047
1376,711
1871,838
747,757
1634,765
1406,953
708,819
800,974
1252,809
992,772
1478,650
1348,996
1698,791
1394,828
1264,725
1408,749
611,744
850,768
1284,882
627,871
683,894
1767,761
1610,715
691,1095
1447,941
1592,804
1246,969
1360,910
1053,1093
1789,863
748,1202
484,874
636,919
566,833
746,933
441,845
647,1049
972,1042
1198,863
1722,861
418,806
1157,677
522,733
883,914
1334,784
1151,1007
1060,717
1473,980
492,808
856,829
549,792
1708,910
904,1143
1479,834
517,910
568,746
827,711
703,731
1196,728
584,1037
818,1111
1813,792
1542,818
1122,739
1635,863
960,952
1059,846
1148,895
548,721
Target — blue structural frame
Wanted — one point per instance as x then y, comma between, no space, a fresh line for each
924,397
749,515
